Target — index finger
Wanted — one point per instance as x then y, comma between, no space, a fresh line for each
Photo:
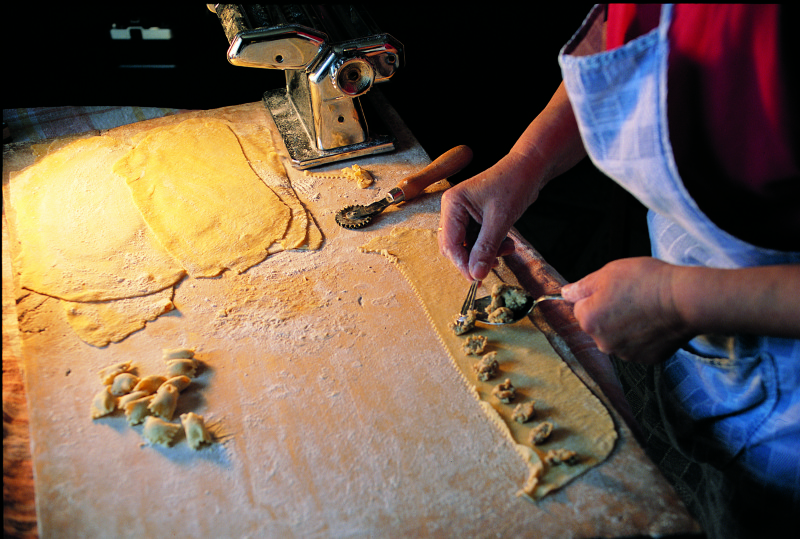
451,238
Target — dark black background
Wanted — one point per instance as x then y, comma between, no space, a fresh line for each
474,76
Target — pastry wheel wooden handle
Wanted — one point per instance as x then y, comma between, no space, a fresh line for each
444,166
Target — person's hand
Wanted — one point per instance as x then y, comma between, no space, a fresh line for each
628,309
478,213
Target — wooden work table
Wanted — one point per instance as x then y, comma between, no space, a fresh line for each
347,419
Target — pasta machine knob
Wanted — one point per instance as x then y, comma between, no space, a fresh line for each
353,76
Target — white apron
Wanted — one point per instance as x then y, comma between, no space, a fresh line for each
730,401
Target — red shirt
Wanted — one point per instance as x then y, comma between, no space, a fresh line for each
729,116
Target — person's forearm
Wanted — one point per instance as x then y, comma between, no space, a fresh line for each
551,144
762,300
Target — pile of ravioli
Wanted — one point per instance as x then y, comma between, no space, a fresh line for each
109,227
152,400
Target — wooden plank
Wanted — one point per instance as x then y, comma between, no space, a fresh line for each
339,410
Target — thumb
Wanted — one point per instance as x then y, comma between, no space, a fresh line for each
576,291
486,250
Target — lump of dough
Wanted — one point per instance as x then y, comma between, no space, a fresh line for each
362,177
178,382
103,403
195,428
524,412
165,401
136,411
150,383
541,432
474,345
504,391
181,367
123,384
158,431
486,368
108,374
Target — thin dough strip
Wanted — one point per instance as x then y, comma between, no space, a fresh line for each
525,357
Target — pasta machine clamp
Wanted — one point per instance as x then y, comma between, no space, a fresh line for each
332,55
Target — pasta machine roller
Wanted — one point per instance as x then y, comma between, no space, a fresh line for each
332,55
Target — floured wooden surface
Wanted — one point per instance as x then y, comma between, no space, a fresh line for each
339,410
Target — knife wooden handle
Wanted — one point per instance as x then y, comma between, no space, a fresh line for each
443,167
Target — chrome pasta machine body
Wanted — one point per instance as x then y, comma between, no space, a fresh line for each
332,55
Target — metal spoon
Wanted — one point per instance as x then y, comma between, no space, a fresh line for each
519,314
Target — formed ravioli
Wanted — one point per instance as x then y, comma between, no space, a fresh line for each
178,382
130,397
108,374
136,411
123,384
103,403
158,431
182,367
195,428
150,383
177,353
165,401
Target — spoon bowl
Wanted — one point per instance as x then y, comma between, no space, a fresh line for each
518,314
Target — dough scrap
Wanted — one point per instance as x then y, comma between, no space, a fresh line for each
362,177
198,194
67,205
105,322
528,360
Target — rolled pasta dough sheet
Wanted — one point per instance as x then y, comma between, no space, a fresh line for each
582,423
81,236
199,195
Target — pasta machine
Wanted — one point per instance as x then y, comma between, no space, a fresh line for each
332,55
